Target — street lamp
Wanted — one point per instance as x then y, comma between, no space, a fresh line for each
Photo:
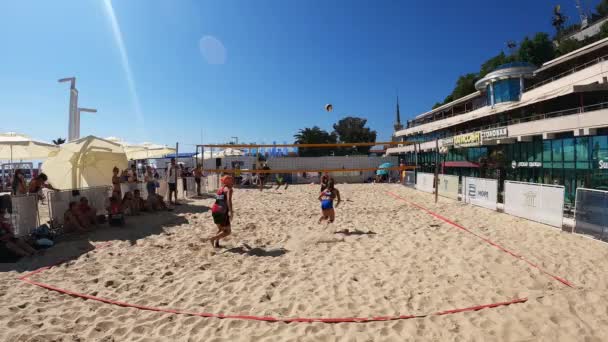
74,111
77,125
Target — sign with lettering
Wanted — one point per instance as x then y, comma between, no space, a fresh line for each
515,164
603,164
481,192
495,133
469,139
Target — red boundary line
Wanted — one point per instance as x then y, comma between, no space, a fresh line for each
490,242
26,279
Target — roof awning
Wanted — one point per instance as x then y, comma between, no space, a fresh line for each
460,163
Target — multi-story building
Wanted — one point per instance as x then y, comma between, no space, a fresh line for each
543,125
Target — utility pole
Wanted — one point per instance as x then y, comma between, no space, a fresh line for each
436,179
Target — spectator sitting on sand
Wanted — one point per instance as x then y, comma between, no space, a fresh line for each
86,214
14,244
115,210
138,202
128,204
71,222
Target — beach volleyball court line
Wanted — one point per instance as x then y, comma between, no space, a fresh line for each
488,241
25,278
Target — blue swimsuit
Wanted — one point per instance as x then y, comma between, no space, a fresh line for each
327,201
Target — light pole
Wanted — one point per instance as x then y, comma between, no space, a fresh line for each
77,125
74,111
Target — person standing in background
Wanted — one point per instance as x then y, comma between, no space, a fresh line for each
18,185
198,173
172,174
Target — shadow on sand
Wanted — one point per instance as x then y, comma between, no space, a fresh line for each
355,232
257,251
72,246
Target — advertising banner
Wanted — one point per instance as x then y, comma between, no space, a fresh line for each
537,202
466,140
424,182
591,213
494,134
448,186
481,192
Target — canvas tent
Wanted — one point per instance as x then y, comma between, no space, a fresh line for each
85,162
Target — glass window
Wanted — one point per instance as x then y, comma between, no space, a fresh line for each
547,150
568,147
600,148
557,150
538,150
582,149
516,155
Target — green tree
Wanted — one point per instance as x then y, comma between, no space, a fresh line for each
493,63
568,45
537,50
602,8
465,85
352,130
437,105
603,30
314,135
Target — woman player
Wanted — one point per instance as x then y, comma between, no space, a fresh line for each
222,211
327,197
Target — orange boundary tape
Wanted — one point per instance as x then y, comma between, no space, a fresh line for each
488,241
26,279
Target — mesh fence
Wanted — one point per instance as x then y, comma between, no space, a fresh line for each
24,216
591,213
59,201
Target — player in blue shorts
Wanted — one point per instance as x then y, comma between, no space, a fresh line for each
327,197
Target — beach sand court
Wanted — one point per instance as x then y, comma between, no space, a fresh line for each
382,257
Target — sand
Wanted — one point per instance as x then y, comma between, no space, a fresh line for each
382,257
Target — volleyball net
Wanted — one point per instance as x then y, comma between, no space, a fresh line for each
284,163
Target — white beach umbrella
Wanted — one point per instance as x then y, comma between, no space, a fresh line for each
22,147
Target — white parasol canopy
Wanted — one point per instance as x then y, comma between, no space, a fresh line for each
19,146
144,150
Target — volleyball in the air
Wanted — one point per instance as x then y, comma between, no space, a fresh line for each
329,107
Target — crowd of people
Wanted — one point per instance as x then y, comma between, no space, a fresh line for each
81,217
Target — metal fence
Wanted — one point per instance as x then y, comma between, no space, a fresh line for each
591,213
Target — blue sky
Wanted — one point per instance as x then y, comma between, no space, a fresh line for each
284,60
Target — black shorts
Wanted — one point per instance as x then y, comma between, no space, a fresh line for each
221,219
172,186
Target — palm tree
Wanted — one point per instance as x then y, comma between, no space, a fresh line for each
559,19
314,135
58,141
